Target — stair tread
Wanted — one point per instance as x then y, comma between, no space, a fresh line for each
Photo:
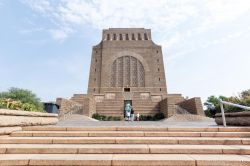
123,159
130,148
137,128
121,149
127,140
128,134
141,137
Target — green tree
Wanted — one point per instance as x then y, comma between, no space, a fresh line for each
243,99
213,105
245,94
24,96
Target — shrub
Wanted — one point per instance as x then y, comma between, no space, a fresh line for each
116,118
29,107
158,116
149,118
99,117
2,103
146,118
17,105
20,99
142,118
96,116
14,104
109,118
105,118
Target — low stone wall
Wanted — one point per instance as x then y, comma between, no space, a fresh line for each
168,105
89,107
234,118
193,105
67,106
88,102
24,118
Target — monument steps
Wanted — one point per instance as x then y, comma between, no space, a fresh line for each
51,145
121,101
134,106
122,149
127,140
121,114
109,104
121,107
140,109
137,128
110,110
124,159
127,134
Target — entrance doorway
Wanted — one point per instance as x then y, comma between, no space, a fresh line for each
126,102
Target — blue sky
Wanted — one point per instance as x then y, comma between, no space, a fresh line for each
45,46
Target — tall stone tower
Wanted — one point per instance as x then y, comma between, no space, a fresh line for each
127,58
127,67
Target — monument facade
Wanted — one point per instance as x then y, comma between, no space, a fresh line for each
128,67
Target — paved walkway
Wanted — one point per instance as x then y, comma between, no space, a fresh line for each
80,122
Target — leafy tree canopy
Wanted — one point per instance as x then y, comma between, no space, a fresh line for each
24,96
242,98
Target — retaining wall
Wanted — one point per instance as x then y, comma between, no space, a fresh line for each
234,118
9,118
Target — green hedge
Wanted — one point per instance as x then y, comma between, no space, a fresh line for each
105,118
156,117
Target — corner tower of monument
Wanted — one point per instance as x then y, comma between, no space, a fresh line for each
128,67
127,59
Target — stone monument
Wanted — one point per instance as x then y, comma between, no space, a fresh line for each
127,67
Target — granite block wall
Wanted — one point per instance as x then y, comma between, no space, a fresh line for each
68,106
193,105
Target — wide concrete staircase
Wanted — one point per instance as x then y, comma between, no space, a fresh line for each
126,146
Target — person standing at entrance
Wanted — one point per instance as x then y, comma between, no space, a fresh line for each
132,114
138,116
128,111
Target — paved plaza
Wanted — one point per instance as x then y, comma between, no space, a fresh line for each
81,121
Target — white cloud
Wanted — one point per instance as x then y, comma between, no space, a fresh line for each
161,16
43,6
61,34
174,23
220,11
225,39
